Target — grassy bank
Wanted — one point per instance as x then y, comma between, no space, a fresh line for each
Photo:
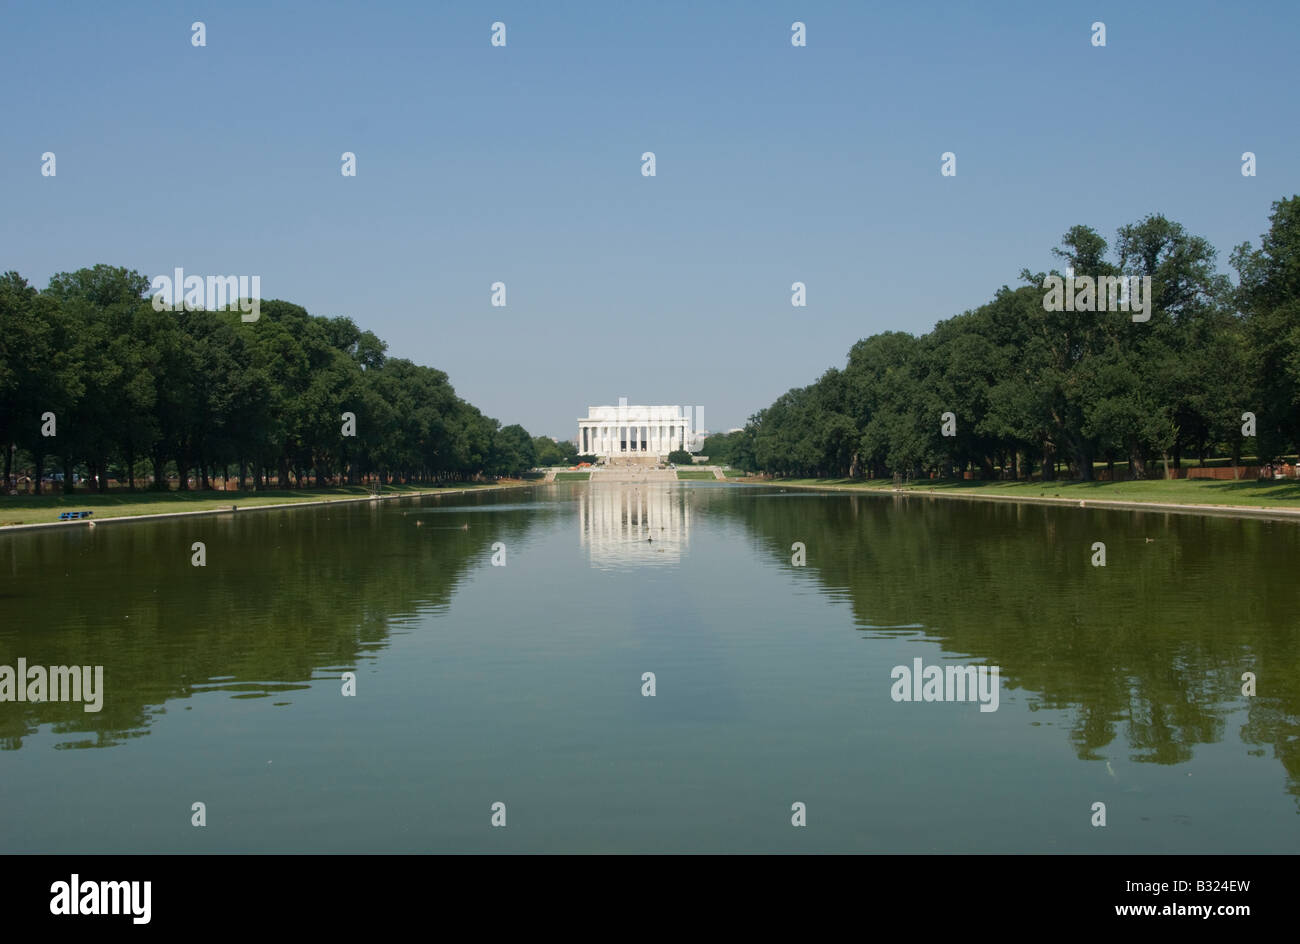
572,476
37,509
1284,495
694,475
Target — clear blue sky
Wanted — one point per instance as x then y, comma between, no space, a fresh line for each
522,164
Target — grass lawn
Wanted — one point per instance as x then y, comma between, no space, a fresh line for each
734,473
1276,494
572,476
693,475
34,509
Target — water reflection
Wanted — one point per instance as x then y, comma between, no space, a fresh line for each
626,526
288,598
1119,683
1146,655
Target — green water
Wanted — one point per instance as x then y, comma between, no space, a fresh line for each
522,683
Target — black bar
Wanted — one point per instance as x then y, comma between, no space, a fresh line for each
942,893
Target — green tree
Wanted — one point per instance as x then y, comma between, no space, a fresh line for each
1268,296
513,451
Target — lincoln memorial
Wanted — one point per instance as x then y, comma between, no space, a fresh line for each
616,431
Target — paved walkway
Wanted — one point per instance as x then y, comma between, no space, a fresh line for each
632,474
232,508
1109,504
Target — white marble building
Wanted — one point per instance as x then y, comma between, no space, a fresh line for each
626,431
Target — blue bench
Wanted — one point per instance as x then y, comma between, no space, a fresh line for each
74,515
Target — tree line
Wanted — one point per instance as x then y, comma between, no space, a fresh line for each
1048,393
136,392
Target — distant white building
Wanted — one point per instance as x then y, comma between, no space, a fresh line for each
626,431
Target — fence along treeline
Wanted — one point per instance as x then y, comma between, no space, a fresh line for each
202,391
1034,390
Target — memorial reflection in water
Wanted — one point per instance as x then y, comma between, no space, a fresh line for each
623,524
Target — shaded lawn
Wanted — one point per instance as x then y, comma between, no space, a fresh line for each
1268,494
34,509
